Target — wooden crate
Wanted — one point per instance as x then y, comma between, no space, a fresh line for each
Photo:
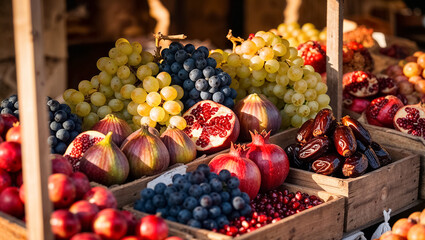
324,221
12,228
393,186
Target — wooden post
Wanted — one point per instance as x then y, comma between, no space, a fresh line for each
27,20
335,15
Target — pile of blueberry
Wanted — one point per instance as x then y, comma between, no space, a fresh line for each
10,105
197,73
64,126
200,199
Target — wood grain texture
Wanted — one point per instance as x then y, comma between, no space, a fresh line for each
335,15
27,18
12,228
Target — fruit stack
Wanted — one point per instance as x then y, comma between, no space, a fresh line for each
339,149
297,35
411,228
10,105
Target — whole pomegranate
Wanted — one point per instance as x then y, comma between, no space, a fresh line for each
62,190
110,224
10,156
360,84
64,224
60,164
411,119
14,133
10,202
5,180
152,227
85,212
86,236
8,121
131,222
382,110
313,55
82,184
357,105
102,197
246,170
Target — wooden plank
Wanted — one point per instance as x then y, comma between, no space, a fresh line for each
12,228
27,19
335,15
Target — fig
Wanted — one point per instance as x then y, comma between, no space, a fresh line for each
355,165
179,145
110,123
314,148
344,141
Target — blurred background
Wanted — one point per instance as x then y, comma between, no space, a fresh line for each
78,32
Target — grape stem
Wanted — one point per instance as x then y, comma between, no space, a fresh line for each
158,37
233,39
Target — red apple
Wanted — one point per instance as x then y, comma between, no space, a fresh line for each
14,133
131,222
60,164
22,193
10,156
10,202
1,126
61,190
8,121
131,238
64,224
85,212
18,178
152,227
82,184
86,236
110,224
102,197
174,238
5,180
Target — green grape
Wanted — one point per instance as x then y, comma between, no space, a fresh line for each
123,72
266,53
310,94
137,47
146,57
268,89
318,76
272,66
93,108
82,109
134,59
300,86
245,83
165,119
151,84
296,121
164,79
84,87
268,37
283,68
248,47
67,94
168,93
234,84
279,91
132,108
180,103
153,99
288,96
311,80
321,88
104,78
137,120
154,67
246,59
138,95
323,100
290,110
279,49
273,99
143,109
178,122
298,99
282,80
303,111
120,40
259,42
276,40
126,91
241,93
113,52
256,63
271,77
180,91
253,89
285,42
116,84
90,120
218,57
125,48
143,72
111,67
234,60
148,121
126,114
238,50
293,53
98,99
106,90
308,69
172,107
295,73
119,96
257,83
286,121
243,71
260,34
116,105
100,64
121,59
76,97
95,81
298,61
118,115
314,106
103,111
260,74
130,80
229,69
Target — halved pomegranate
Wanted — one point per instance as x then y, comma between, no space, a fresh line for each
79,146
360,84
357,105
387,85
381,111
411,119
211,126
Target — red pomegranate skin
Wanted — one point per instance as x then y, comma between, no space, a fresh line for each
110,224
102,197
86,236
10,156
81,183
60,164
131,222
64,224
152,228
10,202
5,180
14,134
22,193
382,110
8,121
85,212
61,190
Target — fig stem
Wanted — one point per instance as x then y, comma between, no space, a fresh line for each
107,140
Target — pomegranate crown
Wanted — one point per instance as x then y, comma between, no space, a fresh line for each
260,138
238,149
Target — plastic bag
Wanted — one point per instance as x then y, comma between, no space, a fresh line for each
355,236
383,227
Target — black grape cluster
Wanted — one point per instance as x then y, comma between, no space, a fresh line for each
200,199
197,74
64,126
10,105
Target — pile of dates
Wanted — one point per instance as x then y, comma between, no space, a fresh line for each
336,148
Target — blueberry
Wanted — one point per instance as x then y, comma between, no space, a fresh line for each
195,191
61,116
62,135
218,71
206,201
209,224
166,68
68,125
205,95
184,187
189,103
234,215
233,183
51,116
170,218
195,74
189,64
198,55
228,102
65,108
201,84
212,175
226,208
238,203
206,188
224,175
60,148
160,188
16,105
245,197
16,113
246,210
204,168
212,62
225,78
222,221
78,126
235,192
52,141
176,176
214,212
225,196
164,52
73,135
169,58
13,98
174,210
184,216
53,105
208,72
190,203
6,104
226,91
213,90
187,176
204,50
216,185
189,48
197,177
216,197
234,93
183,74
194,94
149,207
162,211
55,126
175,67
180,181
181,55
174,46
218,97
147,193
159,201
200,213
194,223
168,191
176,198
188,85
214,82
201,63
6,110
138,205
